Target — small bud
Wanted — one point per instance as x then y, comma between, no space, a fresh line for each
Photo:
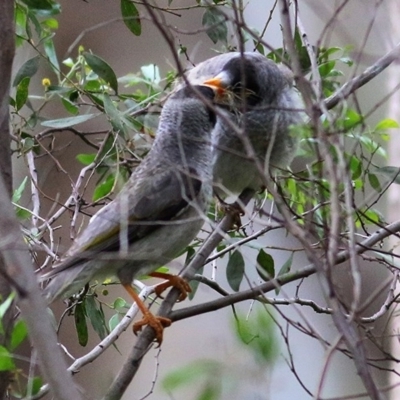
46,82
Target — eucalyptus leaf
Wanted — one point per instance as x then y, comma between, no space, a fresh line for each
102,69
6,360
81,325
392,173
28,69
131,17
235,270
215,23
68,121
265,265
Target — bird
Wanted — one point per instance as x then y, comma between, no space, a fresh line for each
159,211
256,96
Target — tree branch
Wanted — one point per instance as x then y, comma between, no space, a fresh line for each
18,270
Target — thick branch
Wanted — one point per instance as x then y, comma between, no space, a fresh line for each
18,271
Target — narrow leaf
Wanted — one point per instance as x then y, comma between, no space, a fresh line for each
18,192
265,265
69,121
50,50
22,93
86,159
18,334
131,17
6,360
96,317
216,26
81,325
102,69
235,270
285,269
27,70
104,188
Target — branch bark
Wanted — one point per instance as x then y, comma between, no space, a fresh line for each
7,50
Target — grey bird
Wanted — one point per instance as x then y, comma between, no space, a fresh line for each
157,214
257,96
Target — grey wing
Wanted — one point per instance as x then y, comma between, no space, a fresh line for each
161,198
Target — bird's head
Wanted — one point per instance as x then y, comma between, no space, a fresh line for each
237,84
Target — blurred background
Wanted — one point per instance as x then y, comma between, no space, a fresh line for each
372,29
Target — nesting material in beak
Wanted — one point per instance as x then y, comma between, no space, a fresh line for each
216,84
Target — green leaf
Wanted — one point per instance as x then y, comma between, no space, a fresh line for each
265,265
374,182
35,385
113,114
216,26
285,269
50,50
22,214
39,4
190,374
104,188
22,93
6,360
351,119
120,304
325,68
69,121
355,167
386,124
16,197
235,270
5,305
70,106
28,69
86,159
96,316
258,334
102,69
81,325
392,173
131,17
210,391
18,335
113,322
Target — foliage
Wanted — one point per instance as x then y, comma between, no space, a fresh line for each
317,196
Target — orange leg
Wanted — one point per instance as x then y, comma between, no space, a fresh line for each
174,281
157,323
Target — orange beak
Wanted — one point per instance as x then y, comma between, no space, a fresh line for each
216,84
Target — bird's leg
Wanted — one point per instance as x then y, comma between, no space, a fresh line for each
156,322
171,280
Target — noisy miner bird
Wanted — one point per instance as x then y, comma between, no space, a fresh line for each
157,214
258,98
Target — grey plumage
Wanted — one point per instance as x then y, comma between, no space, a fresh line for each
269,107
159,211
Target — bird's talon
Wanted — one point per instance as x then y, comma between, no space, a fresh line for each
174,281
156,322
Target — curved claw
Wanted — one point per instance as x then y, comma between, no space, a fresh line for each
174,281
155,322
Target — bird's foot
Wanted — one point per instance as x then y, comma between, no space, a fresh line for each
171,281
234,209
155,322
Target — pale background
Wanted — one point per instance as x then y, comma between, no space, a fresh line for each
209,336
